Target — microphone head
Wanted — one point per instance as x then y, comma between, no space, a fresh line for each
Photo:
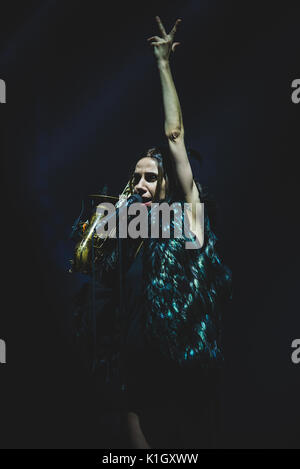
134,198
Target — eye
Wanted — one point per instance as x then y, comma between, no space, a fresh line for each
151,177
135,179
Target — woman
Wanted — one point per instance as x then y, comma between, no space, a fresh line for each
171,352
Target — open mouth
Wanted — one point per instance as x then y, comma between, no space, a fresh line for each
147,200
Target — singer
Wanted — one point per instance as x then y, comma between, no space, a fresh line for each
172,297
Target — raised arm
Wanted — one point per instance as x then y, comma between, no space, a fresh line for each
163,46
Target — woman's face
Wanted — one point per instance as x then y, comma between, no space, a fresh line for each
145,180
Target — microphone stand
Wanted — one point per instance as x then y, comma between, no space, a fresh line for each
94,331
121,310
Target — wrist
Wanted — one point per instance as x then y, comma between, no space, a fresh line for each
163,63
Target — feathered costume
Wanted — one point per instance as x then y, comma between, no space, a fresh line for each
184,291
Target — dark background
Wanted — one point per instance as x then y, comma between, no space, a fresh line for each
83,102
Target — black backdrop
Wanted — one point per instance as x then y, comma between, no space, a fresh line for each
83,101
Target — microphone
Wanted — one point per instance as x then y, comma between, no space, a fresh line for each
134,198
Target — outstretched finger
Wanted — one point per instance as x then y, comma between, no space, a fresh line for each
161,26
174,29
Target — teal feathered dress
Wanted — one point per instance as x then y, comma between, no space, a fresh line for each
171,351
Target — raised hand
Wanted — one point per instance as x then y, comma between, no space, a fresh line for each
165,44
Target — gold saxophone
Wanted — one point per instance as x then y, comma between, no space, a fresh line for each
82,261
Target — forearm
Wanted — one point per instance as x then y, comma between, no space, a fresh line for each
171,104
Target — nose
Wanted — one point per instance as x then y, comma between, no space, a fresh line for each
140,187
